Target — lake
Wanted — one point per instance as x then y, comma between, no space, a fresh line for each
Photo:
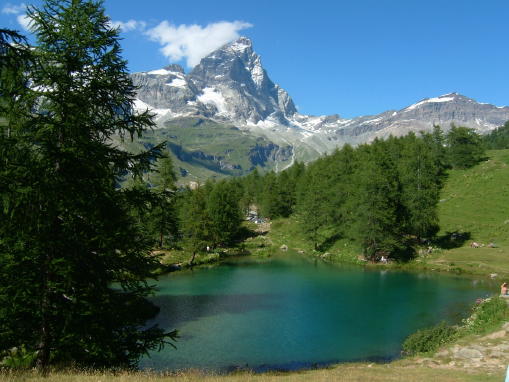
290,312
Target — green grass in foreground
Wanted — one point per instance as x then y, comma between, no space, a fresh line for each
400,371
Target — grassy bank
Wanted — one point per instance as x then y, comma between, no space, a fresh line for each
474,207
401,371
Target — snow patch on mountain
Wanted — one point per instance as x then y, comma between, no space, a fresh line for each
444,98
178,83
214,97
241,45
160,72
141,107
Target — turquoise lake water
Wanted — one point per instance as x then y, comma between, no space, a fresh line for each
292,312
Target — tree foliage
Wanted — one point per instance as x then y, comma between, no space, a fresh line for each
74,261
498,138
465,148
383,196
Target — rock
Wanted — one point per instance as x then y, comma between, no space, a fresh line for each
502,347
493,275
174,267
443,353
476,363
506,326
284,247
300,251
495,335
468,353
498,354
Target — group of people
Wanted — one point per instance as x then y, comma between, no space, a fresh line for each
504,289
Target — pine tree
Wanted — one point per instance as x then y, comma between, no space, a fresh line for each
377,208
195,222
224,213
419,175
464,147
498,138
74,263
269,196
313,205
339,181
163,212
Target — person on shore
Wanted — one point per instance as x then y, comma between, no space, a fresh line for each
504,290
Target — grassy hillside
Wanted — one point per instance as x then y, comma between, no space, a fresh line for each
203,149
476,201
474,207
475,204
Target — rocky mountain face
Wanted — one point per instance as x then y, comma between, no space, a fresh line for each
229,85
444,110
231,88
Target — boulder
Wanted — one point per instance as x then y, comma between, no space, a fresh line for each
495,335
468,353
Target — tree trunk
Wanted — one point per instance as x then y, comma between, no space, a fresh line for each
192,258
44,347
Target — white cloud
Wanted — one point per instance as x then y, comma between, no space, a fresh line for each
24,21
193,42
20,12
130,25
10,9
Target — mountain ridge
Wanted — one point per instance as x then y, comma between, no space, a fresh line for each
230,87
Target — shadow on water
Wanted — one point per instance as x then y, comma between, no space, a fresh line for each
178,309
451,240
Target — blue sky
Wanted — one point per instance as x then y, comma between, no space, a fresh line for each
346,57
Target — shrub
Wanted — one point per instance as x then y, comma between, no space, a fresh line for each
18,358
486,314
429,339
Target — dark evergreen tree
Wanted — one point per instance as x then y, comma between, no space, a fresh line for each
270,198
195,222
498,138
224,213
464,147
251,185
338,182
420,179
313,206
74,263
377,203
164,220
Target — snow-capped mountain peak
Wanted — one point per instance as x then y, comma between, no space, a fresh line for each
242,44
231,86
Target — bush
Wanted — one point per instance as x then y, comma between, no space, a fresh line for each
428,340
19,358
486,315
